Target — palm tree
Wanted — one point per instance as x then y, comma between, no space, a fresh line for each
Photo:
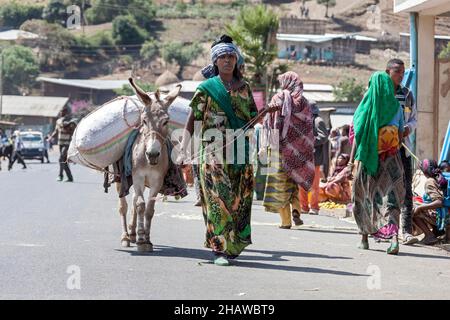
254,33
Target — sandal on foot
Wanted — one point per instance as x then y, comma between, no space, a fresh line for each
296,218
221,261
409,240
284,227
393,249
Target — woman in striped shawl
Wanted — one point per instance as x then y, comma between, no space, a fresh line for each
290,144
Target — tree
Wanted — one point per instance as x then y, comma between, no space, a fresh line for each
180,53
126,89
445,53
144,11
348,90
149,50
106,10
54,44
126,31
101,11
55,12
253,32
13,14
327,4
20,69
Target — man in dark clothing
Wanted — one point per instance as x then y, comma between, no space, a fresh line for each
396,70
17,151
65,126
320,139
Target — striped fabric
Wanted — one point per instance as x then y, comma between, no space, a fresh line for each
281,190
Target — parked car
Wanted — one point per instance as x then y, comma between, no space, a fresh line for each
32,145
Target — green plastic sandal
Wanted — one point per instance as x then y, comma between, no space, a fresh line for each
221,261
393,249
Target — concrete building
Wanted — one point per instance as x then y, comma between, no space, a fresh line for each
433,75
33,111
326,48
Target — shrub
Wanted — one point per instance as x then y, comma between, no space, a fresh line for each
13,14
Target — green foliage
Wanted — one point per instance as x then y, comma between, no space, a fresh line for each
144,11
55,12
349,90
180,53
55,44
445,53
253,33
20,69
149,50
101,11
102,38
126,89
126,31
13,14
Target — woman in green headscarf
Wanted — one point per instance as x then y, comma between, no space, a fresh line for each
378,189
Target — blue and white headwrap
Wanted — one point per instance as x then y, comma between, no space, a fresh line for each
218,51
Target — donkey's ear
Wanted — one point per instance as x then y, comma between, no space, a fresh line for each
173,94
142,95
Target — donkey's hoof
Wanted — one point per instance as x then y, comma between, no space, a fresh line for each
125,243
145,247
133,238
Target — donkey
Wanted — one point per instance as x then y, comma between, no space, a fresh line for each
150,162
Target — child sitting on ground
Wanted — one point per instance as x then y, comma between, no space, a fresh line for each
432,217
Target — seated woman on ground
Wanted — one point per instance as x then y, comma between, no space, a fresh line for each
431,218
337,188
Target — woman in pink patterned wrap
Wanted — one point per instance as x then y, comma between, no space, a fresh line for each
290,146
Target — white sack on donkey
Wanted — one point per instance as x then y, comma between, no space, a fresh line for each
101,136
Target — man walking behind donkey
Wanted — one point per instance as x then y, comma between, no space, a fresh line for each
65,126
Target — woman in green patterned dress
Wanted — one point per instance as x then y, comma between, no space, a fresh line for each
222,102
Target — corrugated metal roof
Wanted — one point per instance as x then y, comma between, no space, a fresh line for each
318,38
33,106
186,86
440,37
191,86
88,84
12,35
356,36
317,87
319,96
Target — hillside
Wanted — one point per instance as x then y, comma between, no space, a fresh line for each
369,17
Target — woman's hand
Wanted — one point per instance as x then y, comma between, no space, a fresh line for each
272,108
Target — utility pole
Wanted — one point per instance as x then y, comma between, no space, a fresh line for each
82,17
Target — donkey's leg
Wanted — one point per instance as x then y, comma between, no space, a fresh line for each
132,226
150,211
139,207
123,209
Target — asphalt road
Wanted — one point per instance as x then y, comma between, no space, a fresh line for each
62,241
